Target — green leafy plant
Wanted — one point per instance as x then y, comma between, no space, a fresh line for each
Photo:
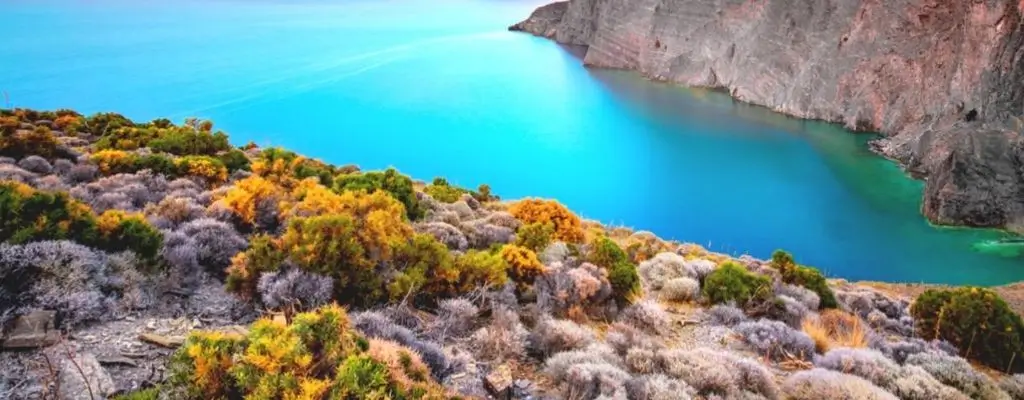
733,283
808,277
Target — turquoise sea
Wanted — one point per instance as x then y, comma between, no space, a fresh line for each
440,88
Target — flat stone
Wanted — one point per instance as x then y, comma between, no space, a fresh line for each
117,360
171,342
499,381
83,378
32,330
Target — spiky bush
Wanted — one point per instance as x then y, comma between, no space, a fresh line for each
294,288
659,387
451,236
725,314
11,172
254,201
120,231
172,211
733,283
681,289
909,383
376,325
441,191
807,277
81,173
975,320
817,384
583,290
215,242
587,373
805,296
75,280
551,336
1013,385
481,234
208,169
36,164
776,339
504,338
902,348
39,141
665,266
568,227
958,373
646,315
127,192
456,317
715,373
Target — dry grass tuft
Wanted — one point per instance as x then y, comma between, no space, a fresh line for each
835,328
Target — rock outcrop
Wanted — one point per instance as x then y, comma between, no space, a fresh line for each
943,80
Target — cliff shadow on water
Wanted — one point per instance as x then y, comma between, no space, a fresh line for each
811,184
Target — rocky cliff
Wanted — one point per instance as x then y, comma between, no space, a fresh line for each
942,79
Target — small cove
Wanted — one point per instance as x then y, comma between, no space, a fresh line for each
441,89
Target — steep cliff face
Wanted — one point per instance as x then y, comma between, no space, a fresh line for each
942,79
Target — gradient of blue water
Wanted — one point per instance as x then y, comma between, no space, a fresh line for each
439,88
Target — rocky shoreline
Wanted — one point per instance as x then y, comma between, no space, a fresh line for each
941,80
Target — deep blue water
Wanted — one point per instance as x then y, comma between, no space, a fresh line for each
440,88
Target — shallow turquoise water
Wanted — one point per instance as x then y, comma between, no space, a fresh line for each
440,88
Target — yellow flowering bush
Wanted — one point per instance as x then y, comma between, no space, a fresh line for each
568,227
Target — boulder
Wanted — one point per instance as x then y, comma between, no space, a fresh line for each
32,330
81,377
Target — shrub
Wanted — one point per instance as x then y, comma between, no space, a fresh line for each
481,235
523,266
776,339
589,381
908,383
72,279
975,320
445,233
502,339
557,366
562,289
725,314
120,231
213,242
807,277
536,236
568,227
185,141
958,373
663,267
456,317
441,191
788,310
82,173
391,181
235,160
1013,385
621,271
21,143
480,269
375,325
294,288
552,336
807,297
158,163
715,373
426,270
820,383
171,212
315,356
329,245
647,315
112,162
254,201
36,164
834,328
644,245
659,387
733,283
209,169
11,172
29,215
681,289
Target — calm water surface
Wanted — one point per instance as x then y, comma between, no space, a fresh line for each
440,88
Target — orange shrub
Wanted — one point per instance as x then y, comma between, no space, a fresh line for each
114,161
247,194
568,227
523,265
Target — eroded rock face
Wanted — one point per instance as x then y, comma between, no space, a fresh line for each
942,79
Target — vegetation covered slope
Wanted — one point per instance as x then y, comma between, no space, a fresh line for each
449,292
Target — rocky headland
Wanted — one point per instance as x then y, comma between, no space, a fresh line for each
943,81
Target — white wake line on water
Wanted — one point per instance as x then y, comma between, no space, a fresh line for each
336,64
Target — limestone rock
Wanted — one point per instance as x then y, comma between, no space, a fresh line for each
83,378
941,79
32,330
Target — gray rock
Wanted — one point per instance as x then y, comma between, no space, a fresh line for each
942,80
32,330
83,378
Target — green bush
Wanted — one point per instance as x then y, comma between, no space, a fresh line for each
808,277
621,271
152,393
390,180
18,144
536,236
441,191
183,141
100,124
423,264
975,320
235,160
158,163
120,231
27,215
733,283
